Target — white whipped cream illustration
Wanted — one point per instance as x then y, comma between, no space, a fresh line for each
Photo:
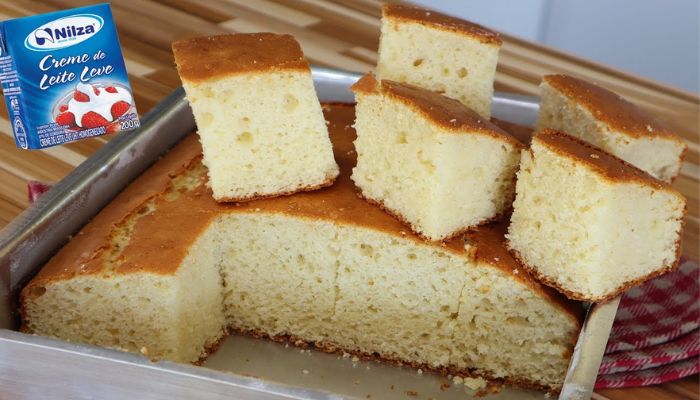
99,103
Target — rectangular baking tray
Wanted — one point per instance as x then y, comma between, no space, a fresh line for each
39,367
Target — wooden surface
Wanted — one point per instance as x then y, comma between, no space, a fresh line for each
342,34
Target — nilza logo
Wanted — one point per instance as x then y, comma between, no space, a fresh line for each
64,32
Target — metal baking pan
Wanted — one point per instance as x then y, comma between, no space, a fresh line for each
34,367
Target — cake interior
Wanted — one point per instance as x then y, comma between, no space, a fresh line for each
439,180
290,266
273,137
567,218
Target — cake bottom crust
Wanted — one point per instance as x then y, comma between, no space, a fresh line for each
572,295
332,348
256,196
212,348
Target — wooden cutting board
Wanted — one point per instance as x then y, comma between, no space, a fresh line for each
340,34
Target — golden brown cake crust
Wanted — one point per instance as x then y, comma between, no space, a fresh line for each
605,164
610,108
449,113
207,57
159,243
83,254
441,21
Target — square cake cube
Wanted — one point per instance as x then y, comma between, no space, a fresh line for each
429,160
590,224
258,116
612,123
439,52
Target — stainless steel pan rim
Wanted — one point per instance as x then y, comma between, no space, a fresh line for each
33,366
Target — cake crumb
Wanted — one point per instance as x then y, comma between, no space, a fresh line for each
496,259
411,393
420,371
516,271
491,388
649,128
475,383
306,371
595,156
355,359
346,355
144,351
444,386
457,380
470,250
547,395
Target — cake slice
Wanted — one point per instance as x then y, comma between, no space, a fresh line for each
258,117
429,160
590,224
439,52
612,123
111,286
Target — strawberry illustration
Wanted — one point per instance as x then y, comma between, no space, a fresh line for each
112,128
81,97
66,118
111,89
119,108
92,119
63,108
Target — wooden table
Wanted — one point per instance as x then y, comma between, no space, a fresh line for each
342,34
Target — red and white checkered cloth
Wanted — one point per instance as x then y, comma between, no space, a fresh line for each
655,337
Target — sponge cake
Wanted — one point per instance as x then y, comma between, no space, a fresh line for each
257,114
